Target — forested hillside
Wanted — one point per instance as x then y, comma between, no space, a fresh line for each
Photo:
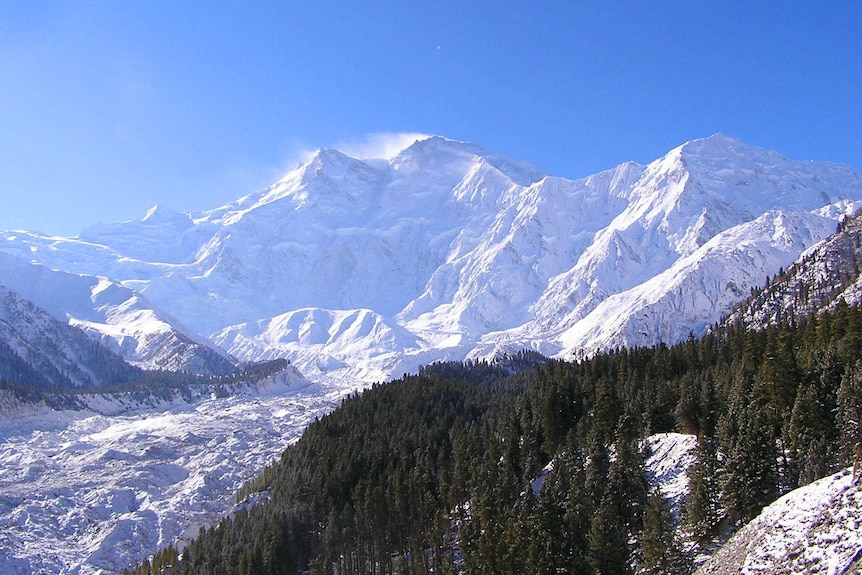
432,472
36,348
826,276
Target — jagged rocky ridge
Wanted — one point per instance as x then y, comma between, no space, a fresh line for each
39,349
825,276
512,258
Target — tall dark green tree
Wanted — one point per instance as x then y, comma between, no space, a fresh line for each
659,551
609,553
701,511
849,417
751,477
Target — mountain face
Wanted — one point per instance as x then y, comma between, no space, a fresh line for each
824,277
365,269
37,348
117,317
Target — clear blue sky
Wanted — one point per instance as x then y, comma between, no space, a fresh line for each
107,108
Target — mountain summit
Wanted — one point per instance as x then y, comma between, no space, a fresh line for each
369,268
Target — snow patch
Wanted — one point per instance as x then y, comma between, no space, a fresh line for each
814,529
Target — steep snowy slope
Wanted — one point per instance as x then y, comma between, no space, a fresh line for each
116,316
823,277
698,289
37,348
449,251
664,263
316,339
813,530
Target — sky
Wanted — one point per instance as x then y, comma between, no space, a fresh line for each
108,108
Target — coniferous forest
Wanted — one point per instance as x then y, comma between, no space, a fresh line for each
433,472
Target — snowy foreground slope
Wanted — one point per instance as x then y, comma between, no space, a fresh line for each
366,269
814,529
96,490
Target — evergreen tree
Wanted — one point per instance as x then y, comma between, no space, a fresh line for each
608,539
849,419
627,486
657,544
701,510
751,473
414,474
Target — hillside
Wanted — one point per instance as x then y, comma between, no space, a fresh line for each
825,276
115,316
362,270
812,530
559,468
37,348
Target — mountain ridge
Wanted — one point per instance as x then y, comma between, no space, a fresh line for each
632,255
119,318
467,253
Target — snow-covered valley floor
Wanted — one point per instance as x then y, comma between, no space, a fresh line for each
85,493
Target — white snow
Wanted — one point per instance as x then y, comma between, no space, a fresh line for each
670,456
92,492
448,251
358,271
814,529
119,318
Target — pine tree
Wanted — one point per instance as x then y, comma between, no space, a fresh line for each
849,419
609,551
751,474
657,544
701,510
597,467
627,486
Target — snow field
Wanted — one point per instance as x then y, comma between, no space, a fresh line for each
90,494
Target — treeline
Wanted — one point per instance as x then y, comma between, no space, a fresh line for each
813,283
435,472
363,488
140,383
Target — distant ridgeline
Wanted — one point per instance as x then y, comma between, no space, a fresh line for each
432,472
140,383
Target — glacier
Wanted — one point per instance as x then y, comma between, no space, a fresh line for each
96,490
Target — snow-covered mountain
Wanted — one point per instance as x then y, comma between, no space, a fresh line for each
369,268
39,349
824,277
116,316
357,271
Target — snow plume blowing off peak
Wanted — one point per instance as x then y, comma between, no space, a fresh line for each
380,145
358,266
